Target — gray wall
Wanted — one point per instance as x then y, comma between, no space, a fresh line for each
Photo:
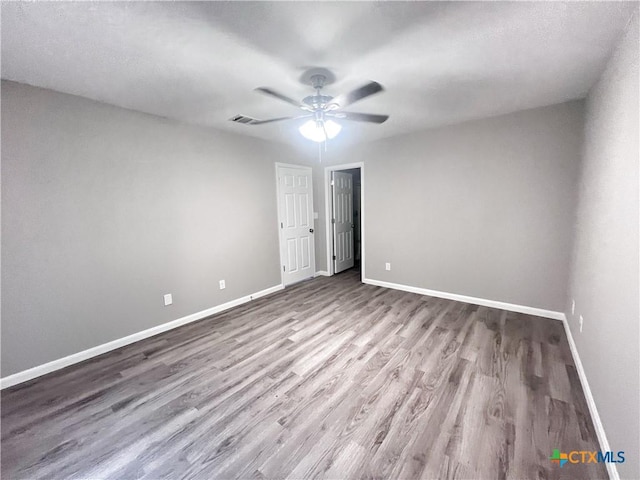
604,274
104,210
484,208
319,207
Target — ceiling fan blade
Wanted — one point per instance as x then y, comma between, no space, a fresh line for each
253,121
364,91
284,98
359,117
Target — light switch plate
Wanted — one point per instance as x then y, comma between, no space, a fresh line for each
168,299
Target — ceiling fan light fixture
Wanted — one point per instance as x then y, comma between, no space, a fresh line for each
313,130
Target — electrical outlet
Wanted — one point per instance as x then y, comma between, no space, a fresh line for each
223,285
387,266
168,299
581,322
573,307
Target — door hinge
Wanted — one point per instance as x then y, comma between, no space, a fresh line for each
281,225
334,257
283,269
333,220
332,183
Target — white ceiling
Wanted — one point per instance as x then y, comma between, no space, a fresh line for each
198,62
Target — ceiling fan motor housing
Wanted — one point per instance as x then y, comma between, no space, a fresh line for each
317,101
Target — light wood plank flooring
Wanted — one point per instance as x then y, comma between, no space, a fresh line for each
329,378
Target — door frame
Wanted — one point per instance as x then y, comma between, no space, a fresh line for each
328,197
279,165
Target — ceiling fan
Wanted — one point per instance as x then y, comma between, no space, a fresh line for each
322,110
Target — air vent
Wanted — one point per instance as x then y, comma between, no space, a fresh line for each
242,119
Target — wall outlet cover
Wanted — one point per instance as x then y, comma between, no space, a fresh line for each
387,266
168,299
223,285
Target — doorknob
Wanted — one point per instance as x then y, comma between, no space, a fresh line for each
311,230
353,225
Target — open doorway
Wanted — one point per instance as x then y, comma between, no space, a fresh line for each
345,217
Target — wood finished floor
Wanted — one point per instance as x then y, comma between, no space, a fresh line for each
329,378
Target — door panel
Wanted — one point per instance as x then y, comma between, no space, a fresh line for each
303,209
306,252
292,255
343,221
296,224
290,210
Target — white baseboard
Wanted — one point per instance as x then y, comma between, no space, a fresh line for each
539,312
261,293
54,365
597,422
322,273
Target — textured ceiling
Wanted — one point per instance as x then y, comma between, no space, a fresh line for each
198,62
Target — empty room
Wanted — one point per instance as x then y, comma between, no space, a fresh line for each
340,240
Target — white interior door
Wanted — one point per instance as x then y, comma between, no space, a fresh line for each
342,221
296,224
